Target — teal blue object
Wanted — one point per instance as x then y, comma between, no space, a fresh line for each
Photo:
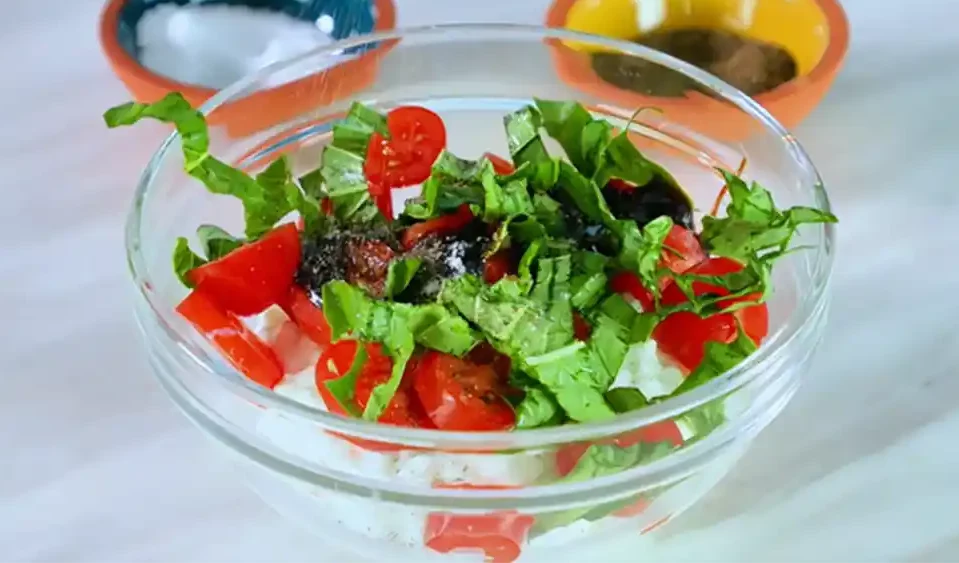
350,17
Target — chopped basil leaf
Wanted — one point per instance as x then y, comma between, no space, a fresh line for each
263,203
565,121
342,169
399,274
537,336
625,399
527,150
343,388
185,260
640,251
753,228
453,182
600,460
702,420
538,408
587,290
216,242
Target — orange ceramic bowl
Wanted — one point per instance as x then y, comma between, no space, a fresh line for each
261,109
814,32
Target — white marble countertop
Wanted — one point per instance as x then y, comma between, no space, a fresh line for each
862,466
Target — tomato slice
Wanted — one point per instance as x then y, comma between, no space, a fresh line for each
500,165
440,226
255,275
683,335
460,395
417,136
581,327
497,267
237,343
499,535
307,316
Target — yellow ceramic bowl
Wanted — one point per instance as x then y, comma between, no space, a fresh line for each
814,32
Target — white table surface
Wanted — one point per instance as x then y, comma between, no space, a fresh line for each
96,464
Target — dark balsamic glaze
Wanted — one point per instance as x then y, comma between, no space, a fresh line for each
655,199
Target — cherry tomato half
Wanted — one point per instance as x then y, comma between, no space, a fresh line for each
683,335
440,226
403,409
460,395
417,136
255,275
307,316
499,535
239,345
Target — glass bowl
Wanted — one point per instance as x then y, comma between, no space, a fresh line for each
391,503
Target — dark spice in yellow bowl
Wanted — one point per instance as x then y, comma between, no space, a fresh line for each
750,65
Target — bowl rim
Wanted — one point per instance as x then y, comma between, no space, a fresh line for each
771,352
831,59
125,63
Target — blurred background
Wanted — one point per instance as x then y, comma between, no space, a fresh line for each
98,466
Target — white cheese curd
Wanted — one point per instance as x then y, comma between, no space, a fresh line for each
643,369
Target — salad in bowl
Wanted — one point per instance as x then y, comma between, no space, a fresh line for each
563,283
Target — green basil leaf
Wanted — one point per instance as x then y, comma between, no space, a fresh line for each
216,242
399,274
538,408
343,388
342,169
625,399
185,260
565,122
263,203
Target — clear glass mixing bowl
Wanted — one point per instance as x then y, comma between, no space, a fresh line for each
386,505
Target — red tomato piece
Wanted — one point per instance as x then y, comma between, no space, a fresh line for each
255,275
683,335
238,344
497,267
500,535
581,328
440,226
620,184
682,250
500,165
485,354
417,136
402,410
628,283
383,198
634,509
307,316
460,395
